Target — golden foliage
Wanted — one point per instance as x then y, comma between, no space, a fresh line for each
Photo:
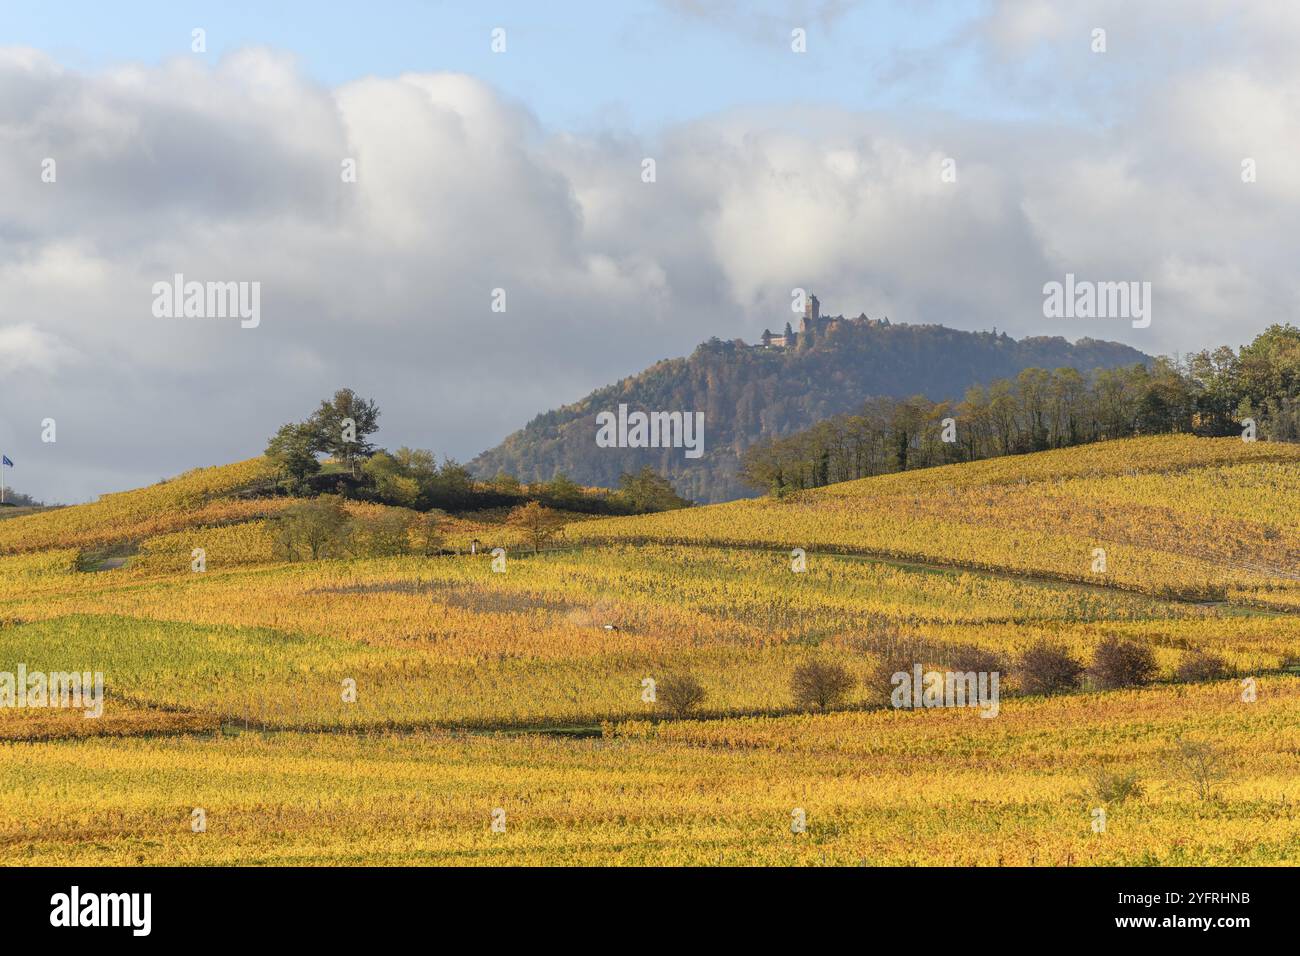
1201,542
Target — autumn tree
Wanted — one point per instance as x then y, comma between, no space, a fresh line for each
383,535
537,521
292,452
428,533
646,491
312,530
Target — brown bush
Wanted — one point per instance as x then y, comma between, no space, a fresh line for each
967,658
1048,669
678,693
1119,663
1200,666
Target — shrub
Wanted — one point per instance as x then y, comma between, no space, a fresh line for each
383,535
1120,663
1105,786
967,658
427,530
1200,666
397,490
679,693
312,530
820,684
880,679
1048,669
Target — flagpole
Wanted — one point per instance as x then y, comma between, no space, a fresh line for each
2,479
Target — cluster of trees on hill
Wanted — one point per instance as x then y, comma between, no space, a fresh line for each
321,527
19,500
1210,393
750,393
341,428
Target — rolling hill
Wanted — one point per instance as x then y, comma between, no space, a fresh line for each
222,687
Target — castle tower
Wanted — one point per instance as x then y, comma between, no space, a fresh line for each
812,312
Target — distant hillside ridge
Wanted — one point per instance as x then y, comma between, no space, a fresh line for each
785,383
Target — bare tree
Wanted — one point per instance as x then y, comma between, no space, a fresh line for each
312,530
1198,766
821,685
428,533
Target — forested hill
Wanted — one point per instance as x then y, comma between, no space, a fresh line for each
748,393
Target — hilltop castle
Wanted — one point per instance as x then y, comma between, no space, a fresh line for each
813,326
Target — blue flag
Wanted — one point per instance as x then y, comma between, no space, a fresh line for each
4,460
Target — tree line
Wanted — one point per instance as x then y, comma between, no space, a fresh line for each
19,500
1255,390
354,468
318,528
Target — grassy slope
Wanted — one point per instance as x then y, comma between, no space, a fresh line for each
1176,515
449,642
196,497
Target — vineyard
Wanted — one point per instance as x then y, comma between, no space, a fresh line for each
1174,515
939,788
379,709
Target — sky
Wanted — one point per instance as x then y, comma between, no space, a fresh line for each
928,161
575,65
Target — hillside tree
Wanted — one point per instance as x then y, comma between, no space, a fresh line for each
342,426
291,451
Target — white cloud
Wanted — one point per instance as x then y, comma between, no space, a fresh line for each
231,172
25,348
